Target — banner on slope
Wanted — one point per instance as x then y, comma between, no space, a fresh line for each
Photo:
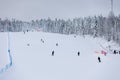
101,52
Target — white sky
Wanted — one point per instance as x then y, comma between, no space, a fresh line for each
37,9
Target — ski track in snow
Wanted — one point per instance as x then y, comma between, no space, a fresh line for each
34,62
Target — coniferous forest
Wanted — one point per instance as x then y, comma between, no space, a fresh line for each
96,26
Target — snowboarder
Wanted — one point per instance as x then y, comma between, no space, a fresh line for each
99,59
52,53
78,53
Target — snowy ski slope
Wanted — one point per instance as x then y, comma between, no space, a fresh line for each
32,58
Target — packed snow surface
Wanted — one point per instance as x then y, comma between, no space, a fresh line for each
32,57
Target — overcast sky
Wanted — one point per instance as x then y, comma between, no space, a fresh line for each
37,9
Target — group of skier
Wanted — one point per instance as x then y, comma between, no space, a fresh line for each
53,52
42,40
116,52
78,54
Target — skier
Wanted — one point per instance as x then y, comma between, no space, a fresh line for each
27,30
42,40
99,59
52,53
74,36
78,53
24,32
115,52
28,44
56,44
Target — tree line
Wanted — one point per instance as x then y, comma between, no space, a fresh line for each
96,26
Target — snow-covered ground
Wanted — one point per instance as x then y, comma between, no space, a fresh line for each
32,58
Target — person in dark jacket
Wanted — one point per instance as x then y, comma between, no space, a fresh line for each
115,52
78,53
99,59
24,32
52,53
56,44
28,44
42,40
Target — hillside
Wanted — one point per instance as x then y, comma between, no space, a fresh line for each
32,57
